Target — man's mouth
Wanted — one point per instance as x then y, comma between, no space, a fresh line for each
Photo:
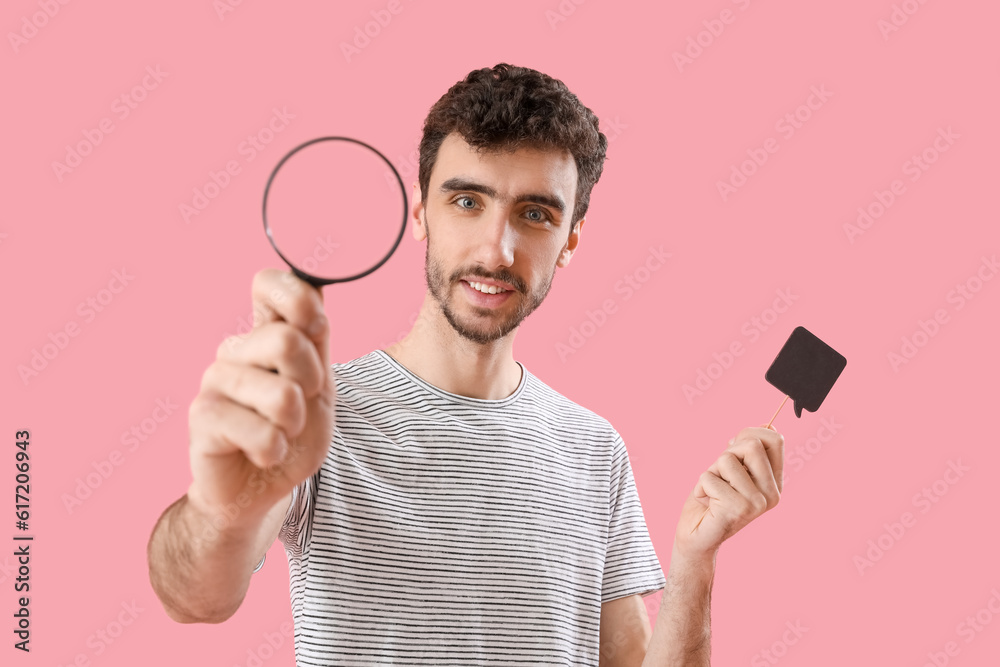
486,295
486,289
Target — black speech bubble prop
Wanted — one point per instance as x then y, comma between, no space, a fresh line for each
805,370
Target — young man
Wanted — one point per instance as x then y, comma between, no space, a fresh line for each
439,503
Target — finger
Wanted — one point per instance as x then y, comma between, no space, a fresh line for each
281,347
774,445
715,488
219,426
699,492
283,296
732,470
755,462
713,469
275,397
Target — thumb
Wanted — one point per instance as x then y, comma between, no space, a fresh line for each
319,290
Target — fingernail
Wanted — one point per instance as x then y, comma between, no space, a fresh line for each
731,441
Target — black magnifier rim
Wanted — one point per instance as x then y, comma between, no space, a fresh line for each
313,280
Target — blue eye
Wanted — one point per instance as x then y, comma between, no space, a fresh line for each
543,214
467,208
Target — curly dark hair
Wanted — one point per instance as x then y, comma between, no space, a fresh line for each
508,107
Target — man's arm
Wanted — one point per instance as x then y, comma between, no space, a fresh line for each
260,425
202,574
683,632
624,631
741,485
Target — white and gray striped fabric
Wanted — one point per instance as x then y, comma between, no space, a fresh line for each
447,530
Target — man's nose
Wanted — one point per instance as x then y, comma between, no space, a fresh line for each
497,236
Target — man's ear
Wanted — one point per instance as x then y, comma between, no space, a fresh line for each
571,243
417,212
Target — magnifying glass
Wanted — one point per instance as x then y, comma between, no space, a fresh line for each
331,209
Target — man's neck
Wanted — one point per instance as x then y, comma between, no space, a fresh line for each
434,352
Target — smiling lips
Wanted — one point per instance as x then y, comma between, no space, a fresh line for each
488,288
487,294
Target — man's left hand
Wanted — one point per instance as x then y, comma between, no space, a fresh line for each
743,483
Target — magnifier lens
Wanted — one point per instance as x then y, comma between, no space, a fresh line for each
335,208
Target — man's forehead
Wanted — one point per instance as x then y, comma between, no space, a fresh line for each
555,168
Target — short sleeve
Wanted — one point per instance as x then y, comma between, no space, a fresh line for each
294,516
630,563
295,530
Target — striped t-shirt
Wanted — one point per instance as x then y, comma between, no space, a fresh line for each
448,530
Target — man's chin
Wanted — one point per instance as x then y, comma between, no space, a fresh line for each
482,325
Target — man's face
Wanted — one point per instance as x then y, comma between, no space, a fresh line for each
500,220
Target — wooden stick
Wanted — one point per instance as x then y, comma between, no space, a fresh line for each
777,411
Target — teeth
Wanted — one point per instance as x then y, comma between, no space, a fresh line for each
487,289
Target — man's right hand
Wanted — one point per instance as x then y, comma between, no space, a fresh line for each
263,419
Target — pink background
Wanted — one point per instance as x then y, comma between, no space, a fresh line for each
676,132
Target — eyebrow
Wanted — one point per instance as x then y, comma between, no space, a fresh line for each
459,183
